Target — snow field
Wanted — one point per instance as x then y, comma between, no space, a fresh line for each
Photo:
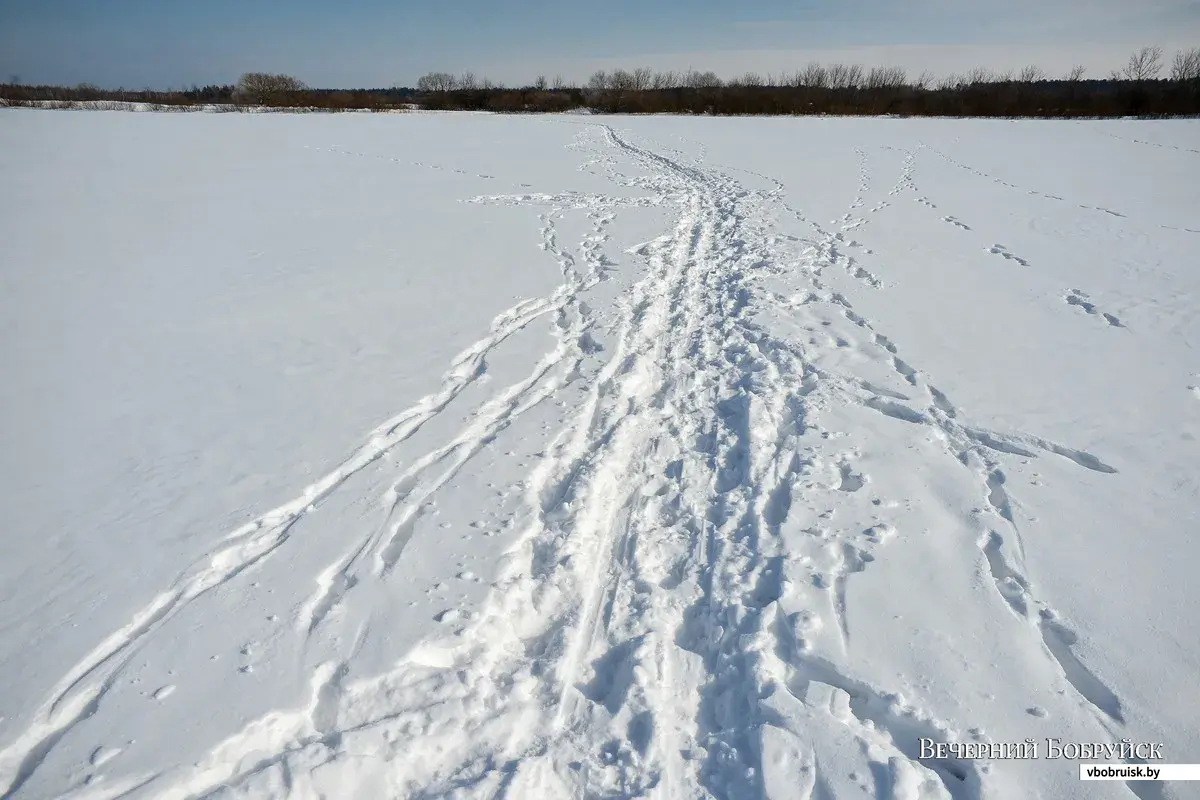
703,512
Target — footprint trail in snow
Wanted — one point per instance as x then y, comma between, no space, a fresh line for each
682,607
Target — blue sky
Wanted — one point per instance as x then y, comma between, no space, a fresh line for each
165,43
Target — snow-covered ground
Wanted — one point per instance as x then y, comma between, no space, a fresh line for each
438,455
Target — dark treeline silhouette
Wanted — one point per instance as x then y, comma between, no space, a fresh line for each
86,93
1137,89
253,90
997,99
846,89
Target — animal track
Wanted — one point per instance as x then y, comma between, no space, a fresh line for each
956,223
1103,210
1080,299
423,165
1002,251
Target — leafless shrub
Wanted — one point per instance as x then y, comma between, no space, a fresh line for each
1075,73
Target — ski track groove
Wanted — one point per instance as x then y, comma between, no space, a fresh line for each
629,647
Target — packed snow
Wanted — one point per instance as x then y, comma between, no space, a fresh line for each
454,455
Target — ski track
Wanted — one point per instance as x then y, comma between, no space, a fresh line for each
632,644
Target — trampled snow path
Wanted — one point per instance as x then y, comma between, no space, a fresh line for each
674,618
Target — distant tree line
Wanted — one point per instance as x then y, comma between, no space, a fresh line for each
1138,88
253,90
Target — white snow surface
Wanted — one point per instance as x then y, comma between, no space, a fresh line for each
453,455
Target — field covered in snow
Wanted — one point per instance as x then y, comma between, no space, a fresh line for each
429,455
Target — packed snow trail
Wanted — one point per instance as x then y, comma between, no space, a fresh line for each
676,616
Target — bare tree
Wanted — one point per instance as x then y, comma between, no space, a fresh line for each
885,78
747,79
540,83
621,80
436,82
467,81
1031,74
979,75
598,81
559,83
951,81
701,80
925,80
814,75
1186,65
844,76
1144,65
1075,73
664,80
261,88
